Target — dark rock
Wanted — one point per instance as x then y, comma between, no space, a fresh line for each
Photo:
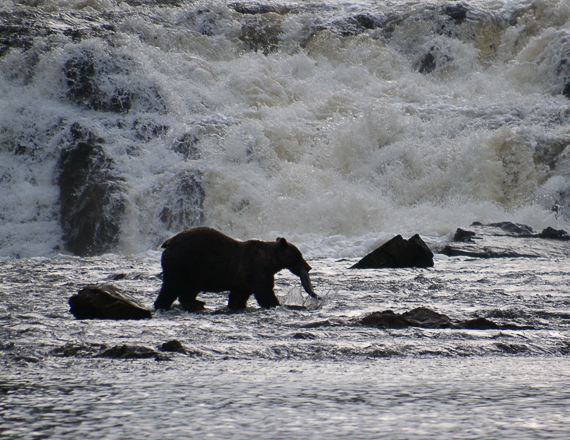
91,200
566,90
427,64
366,21
512,348
463,235
82,76
261,34
147,129
105,302
129,352
398,252
304,335
258,8
426,318
173,346
479,324
385,319
418,317
457,11
77,350
187,147
554,234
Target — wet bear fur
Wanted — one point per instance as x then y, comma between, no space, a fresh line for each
205,260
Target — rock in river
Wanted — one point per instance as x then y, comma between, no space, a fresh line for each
105,302
398,252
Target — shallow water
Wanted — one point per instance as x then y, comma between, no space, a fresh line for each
394,398
334,124
289,372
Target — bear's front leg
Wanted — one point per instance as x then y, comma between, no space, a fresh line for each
168,294
266,298
238,299
191,304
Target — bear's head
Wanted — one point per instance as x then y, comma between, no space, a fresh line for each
292,259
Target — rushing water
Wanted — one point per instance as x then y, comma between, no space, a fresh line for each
333,124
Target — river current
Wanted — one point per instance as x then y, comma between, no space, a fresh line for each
336,125
290,372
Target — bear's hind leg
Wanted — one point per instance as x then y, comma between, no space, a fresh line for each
238,299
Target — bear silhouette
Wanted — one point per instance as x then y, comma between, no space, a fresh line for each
205,260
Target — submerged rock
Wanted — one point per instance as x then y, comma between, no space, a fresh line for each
419,317
130,352
397,253
105,302
426,318
173,346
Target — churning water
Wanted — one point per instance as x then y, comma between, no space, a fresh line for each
334,124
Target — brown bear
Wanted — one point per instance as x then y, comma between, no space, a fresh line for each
205,260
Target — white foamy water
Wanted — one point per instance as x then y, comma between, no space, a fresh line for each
305,122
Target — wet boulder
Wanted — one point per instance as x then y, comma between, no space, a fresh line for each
418,317
385,319
105,302
91,199
463,235
554,234
173,346
126,351
507,240
397,253
423,317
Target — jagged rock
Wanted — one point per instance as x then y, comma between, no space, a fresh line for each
91,200
105,302
398,252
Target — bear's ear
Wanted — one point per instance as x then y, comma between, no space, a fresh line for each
282,242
